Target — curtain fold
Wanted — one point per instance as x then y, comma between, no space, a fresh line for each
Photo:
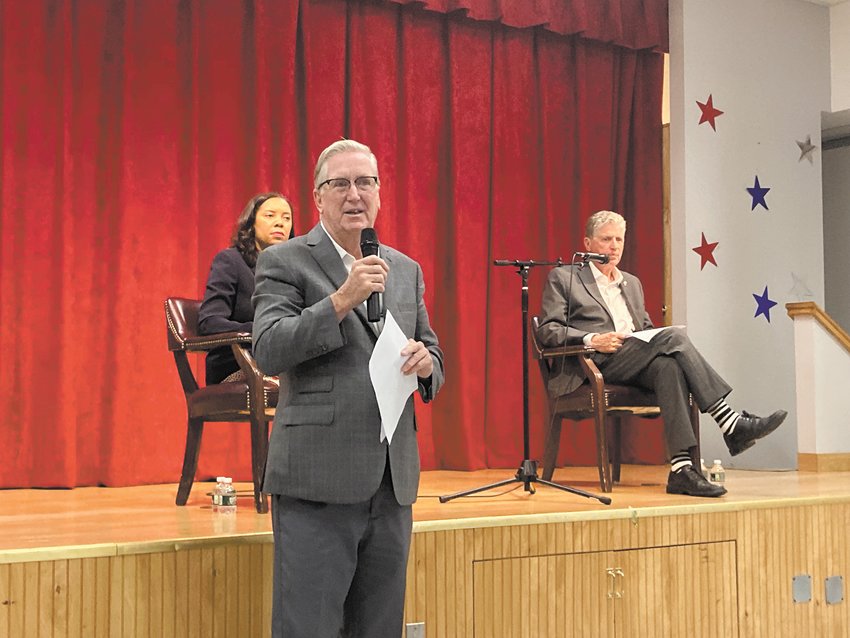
634,24
133,132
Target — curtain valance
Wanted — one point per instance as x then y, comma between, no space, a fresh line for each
633,24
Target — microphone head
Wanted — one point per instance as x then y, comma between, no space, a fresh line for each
586,257
368,242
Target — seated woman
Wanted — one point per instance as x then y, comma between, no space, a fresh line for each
266,220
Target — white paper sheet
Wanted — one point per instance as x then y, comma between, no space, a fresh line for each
392,387
647,335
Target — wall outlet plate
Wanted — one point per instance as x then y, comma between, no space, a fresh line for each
414,630
801,588
834,590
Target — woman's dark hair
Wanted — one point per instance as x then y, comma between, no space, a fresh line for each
243,236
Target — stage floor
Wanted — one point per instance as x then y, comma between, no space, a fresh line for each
34,524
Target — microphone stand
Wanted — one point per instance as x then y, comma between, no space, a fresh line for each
527,472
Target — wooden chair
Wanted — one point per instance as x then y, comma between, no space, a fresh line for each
603,402
253,400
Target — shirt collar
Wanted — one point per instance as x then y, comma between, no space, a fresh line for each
347,257
602,279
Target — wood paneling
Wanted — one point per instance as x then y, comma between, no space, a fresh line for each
192,592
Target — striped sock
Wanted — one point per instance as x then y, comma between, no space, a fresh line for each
680,461
725,416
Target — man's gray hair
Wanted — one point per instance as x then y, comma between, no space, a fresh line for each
340,146
599,219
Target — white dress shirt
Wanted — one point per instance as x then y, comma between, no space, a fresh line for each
612,295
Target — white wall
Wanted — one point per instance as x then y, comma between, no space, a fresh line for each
822,400
836,221
839,37
767,65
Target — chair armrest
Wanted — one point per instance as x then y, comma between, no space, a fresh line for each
566,351
591,372
254,378
246,361
209,342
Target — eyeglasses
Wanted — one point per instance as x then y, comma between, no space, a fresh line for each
365,184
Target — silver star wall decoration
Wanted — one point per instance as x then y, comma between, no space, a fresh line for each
799,290
807,149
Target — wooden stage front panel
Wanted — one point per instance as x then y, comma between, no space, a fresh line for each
127,562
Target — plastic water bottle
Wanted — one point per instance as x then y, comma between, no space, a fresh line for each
703,468
717,474
224,496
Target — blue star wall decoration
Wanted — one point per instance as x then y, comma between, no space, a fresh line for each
765,303
758,192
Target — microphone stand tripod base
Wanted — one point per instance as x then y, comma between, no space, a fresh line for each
527,475
527,472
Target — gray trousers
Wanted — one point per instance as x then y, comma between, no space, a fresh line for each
671,367
340,570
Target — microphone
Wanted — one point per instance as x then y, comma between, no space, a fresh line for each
369,246
586,257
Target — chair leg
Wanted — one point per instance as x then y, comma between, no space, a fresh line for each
259,453
190,459
553,442
616,447
602,449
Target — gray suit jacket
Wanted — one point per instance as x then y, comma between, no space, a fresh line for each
325,441
588,313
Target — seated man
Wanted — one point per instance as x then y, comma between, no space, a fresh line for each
605,306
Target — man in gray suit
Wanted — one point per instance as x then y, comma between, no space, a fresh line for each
341,498
601,308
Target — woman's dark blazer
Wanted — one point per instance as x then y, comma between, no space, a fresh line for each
226,308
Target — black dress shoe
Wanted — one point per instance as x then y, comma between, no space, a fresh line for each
690,482
750,428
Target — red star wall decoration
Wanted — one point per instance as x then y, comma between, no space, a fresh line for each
706,252
709,113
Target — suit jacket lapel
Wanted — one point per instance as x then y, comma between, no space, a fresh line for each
585,275
628,296
390,298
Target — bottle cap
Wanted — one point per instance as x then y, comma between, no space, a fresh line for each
220,479
227,479
717,461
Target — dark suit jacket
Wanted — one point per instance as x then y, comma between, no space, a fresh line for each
325,442
588,314
226,308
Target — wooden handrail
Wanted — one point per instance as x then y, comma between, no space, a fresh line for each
811,309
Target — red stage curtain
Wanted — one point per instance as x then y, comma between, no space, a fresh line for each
636,24
133,131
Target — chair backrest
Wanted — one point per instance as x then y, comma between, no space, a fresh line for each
181,314
543,363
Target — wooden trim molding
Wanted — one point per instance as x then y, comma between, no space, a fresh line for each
811,309
807,462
